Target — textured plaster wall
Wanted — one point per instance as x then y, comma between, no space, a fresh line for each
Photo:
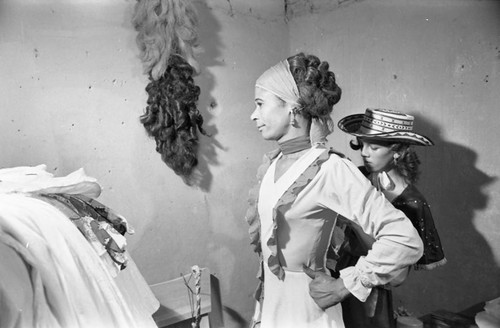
438,60
72,90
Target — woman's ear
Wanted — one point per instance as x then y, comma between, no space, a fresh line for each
400,152
292,109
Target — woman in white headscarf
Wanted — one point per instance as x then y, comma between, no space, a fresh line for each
303,189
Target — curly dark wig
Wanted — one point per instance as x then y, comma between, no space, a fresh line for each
172,118
408,162
317,86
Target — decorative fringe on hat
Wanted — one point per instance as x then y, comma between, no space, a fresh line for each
168,41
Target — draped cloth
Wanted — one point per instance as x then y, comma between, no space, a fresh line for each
36,179
51,276
71,287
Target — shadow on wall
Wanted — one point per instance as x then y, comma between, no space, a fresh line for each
235,319
230,316
210,42
454,187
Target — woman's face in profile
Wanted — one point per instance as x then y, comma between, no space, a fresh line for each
377,157
271,115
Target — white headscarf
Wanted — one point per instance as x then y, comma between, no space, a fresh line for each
279,81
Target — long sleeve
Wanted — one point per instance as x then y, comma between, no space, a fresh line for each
396,242
416,208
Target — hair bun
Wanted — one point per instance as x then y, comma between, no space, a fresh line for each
317,85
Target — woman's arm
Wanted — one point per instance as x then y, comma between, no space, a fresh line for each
397,244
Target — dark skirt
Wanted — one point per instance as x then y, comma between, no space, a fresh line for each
376,312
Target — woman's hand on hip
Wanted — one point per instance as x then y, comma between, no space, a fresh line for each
325,290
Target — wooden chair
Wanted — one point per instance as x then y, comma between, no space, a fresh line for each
177,303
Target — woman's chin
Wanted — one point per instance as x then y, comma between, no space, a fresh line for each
267,136
368,167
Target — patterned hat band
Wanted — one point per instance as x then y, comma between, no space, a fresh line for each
384,121
383,124
371,126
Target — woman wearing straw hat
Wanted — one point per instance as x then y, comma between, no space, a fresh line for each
302,189
386,139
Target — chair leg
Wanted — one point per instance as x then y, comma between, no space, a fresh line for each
204,322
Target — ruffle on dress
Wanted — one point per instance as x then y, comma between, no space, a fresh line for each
252,215
282,205
253,219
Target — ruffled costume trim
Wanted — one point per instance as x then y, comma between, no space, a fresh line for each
282,205
355,282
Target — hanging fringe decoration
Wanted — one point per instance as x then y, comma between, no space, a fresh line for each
168,42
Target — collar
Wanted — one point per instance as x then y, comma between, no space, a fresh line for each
295,145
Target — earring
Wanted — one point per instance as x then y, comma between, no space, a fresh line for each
293,121
396,157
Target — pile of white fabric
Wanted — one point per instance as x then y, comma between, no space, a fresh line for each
68,284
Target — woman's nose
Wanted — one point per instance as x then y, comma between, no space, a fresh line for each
253,117
364,152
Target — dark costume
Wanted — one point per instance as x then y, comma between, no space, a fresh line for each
377,311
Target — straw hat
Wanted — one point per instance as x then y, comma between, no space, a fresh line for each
383,124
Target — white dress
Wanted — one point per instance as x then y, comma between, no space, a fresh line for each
287,302
297,216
